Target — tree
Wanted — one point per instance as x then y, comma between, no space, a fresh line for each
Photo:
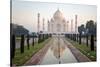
95,28
91,27
81,29
18,29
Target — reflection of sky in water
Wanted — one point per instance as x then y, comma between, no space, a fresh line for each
52,55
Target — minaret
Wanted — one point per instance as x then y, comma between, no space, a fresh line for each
43,25
52,28
75,23
48,26
64,27
71,25
38,25
67,26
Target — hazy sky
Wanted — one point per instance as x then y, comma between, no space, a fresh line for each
25,12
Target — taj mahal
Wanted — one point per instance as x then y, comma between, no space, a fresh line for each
58,24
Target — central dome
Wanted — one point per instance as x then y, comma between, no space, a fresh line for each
58,15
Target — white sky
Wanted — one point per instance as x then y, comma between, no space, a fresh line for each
25,12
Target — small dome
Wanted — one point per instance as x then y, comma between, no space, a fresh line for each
52,20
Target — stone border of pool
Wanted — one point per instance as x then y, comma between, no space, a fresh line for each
35,59
78,55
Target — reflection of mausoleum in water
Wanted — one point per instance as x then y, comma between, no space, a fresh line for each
58,50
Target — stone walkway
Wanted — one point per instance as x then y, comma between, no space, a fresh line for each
78,55
35,59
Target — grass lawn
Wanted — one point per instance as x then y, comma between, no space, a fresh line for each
18,38
20,59
84,49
